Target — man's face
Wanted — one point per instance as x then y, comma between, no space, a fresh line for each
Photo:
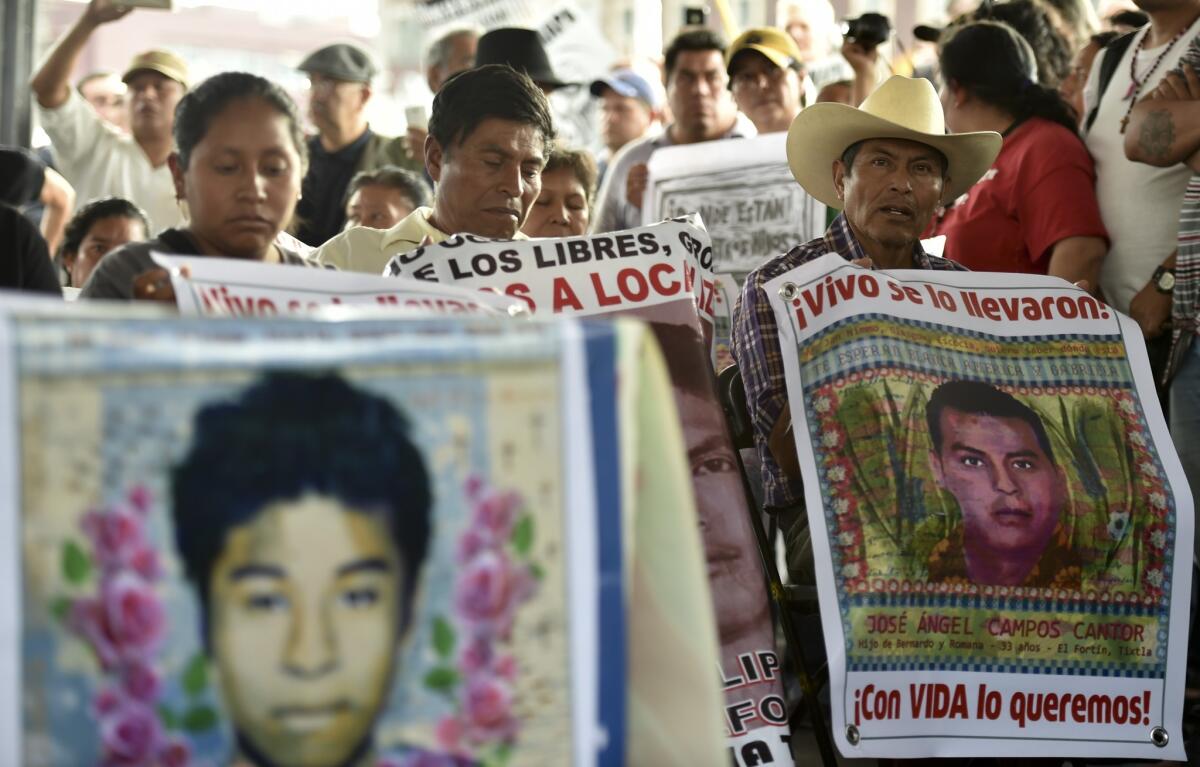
487,182
336,104
622,119
107,96
461,58
734,572
1009,491
892,190
561,210
698,97
152,100
377,206
767,94
304,621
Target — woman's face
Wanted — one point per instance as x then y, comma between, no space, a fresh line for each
104,235
242,180
561,209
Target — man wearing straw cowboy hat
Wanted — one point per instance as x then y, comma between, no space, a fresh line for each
887,164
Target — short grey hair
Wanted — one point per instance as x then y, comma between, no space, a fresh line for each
439,50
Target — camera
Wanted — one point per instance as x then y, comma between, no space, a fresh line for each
869,30
695,16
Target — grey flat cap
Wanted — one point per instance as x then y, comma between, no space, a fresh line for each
340,61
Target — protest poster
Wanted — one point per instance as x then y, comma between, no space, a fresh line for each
662,274
286,542
235,287
745,194
1001,527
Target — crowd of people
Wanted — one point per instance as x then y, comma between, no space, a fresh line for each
1037,136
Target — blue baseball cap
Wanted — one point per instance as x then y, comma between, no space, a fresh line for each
630,84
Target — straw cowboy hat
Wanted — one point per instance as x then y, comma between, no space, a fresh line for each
903,108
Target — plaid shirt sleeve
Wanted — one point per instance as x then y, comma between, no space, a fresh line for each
756,348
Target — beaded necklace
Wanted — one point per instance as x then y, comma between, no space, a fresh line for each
1135,85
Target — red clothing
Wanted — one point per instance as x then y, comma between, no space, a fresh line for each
1040,190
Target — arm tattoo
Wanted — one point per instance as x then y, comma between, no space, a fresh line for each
1157,135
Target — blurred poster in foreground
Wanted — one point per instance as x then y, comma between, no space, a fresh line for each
661,274
745,194
1002,529
384,542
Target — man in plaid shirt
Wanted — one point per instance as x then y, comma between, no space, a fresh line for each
1164,130
888,165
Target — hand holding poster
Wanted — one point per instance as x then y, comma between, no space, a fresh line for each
1001,526
745,195
663,274
234,287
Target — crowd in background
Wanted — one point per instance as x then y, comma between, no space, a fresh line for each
1097,180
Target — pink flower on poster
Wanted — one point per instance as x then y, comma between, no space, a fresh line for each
130,733
133,614
124,622
487,709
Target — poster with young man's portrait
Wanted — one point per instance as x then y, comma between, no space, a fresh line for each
660,274
301,543
1002,527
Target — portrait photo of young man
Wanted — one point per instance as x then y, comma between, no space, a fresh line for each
992,454
303,531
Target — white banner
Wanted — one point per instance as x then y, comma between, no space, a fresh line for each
744,192
238,288
1001,526
591,274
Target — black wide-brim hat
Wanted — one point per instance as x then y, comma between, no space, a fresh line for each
520,49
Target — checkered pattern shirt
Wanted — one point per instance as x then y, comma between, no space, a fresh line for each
756,344
1185,302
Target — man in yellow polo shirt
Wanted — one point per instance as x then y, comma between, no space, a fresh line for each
489,137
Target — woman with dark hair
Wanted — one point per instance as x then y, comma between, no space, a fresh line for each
94,230
1035,211
239,159
564,206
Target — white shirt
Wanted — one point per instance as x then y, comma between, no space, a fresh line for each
1139,203
100,161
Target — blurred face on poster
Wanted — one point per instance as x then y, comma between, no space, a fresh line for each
1010,492
735,575
305,617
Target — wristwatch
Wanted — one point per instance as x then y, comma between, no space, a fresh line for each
1164,279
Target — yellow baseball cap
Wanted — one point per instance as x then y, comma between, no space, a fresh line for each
777,45
165,63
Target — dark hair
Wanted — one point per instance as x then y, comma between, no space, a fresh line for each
1102,39
493,90
691,39
995,65
86,217
1031,21
404,181
1078,15
1135,19
285,436
852,151
581,163
976,398
201,105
